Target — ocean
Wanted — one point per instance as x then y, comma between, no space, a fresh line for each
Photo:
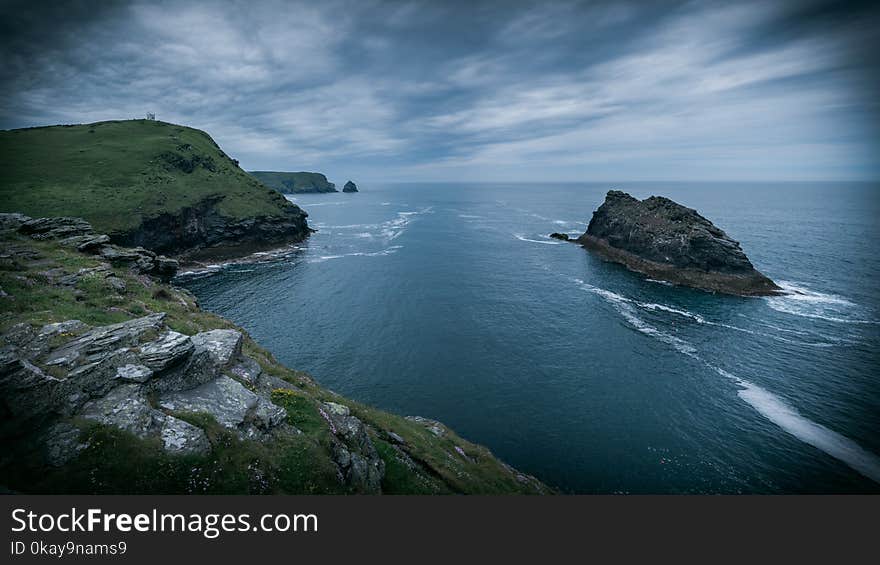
450,301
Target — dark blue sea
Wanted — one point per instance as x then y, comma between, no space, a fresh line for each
449,301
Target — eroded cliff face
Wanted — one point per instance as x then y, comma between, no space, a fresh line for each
664,239
202,230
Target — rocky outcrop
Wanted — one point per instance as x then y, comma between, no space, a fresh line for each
560,236
350,187
203,230
78,233
668,241
143,378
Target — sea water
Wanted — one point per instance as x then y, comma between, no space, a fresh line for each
451,302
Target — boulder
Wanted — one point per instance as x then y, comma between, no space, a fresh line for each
222,345
182,437
667,241
223,398
355,454
350,187
56,228
134,373
562,236
12,221
100,342
125,407
170,349
247,370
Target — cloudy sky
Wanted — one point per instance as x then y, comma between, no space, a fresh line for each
507,90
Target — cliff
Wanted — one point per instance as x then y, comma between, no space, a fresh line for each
162,186
112,381
668,241
295,183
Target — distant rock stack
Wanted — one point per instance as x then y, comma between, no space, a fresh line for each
665,240
350,187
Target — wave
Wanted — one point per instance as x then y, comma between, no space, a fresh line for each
624,306
470,216
387,251
547,242
767,404
651,306
789,419
807,303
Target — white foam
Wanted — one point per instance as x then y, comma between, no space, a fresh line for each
624,306
807,303
786,417
387,251
767,404
470,216
547,242
664,283
650,306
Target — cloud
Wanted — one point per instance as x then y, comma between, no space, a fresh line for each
489,90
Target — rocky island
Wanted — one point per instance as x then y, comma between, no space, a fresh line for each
350,187
667,241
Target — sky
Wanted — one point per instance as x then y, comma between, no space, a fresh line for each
478,91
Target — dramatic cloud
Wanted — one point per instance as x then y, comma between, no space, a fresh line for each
480,90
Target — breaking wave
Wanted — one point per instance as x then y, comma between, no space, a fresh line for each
807,303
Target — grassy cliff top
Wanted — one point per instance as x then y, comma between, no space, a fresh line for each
117,173
295,182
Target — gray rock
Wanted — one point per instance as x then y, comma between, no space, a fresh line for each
98,377
55,228
267,415
432,426
134,373
350,187
356,456
27,391
12,221
125,407
171,348
223,398
222,345
102,341
182,437
63,444
247,370
199,368
85,243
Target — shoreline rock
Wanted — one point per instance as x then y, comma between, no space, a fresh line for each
350,187
667,241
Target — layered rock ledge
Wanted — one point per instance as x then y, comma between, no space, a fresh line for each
667,241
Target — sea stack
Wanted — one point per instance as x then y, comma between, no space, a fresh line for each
667,241
350,187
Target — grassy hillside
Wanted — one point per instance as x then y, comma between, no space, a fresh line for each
292,183
117,174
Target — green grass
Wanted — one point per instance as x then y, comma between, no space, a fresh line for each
115,174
